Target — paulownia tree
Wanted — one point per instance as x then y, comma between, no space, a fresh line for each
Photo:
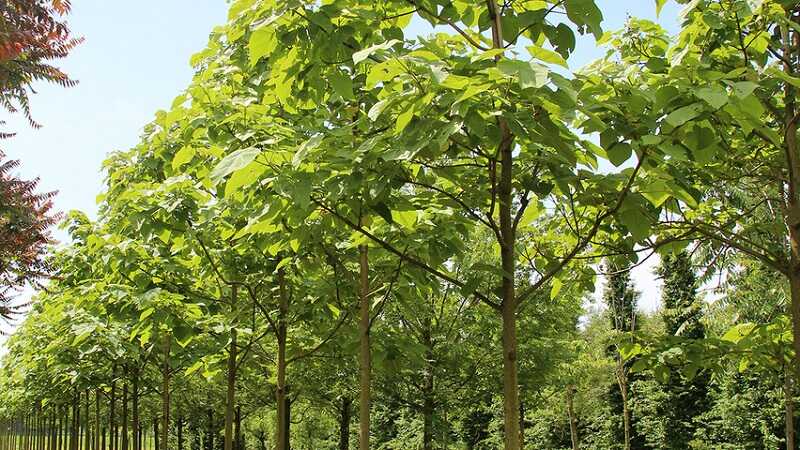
389,131
728,85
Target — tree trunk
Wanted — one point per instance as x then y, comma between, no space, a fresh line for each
231,378
97,419
61,430
112,412
135,425
76,413
791,44
194,431
344,423
788,391
365,357
156,434
508,261
287,422
165,394
428,404
237,430
87,429
280,393
210,430
179,430
124,417
573,423
622,380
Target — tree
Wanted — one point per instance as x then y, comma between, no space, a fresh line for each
682,312
32,34
620,297
25,218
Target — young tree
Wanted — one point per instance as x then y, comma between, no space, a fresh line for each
620,297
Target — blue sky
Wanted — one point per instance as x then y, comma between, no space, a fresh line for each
135,60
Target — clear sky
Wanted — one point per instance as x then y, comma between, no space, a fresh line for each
135,60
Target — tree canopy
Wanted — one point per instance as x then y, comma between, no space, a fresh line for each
346,219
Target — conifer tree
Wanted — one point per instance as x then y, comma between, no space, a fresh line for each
682,314
620,297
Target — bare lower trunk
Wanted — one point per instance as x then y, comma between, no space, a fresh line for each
622,381
428,402
179,431
281,437
237,430
287,421
135,426
344,423
231,379
573,422
788,391
165,394
124,417
88,429
112,412
97,419
73,441
365,357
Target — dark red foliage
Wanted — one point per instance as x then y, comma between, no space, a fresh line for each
32,34
25,218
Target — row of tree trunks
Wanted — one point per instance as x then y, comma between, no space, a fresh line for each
83,427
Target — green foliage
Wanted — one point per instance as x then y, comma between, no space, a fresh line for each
331,187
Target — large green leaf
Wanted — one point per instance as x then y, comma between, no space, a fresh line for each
232,162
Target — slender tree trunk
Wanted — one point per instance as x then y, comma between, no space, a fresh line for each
365,356
97,419
573,422
622,381
87,429
179,430
124,415
135,419
428,404
237,430
54,427
37,426
791,41
156,435
210,437
231,378
112,411
280,393
194,431
165,394
287,422
76,412
508,261
344,423
788,391
62,428
26,432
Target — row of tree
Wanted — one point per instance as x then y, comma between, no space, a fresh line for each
338,213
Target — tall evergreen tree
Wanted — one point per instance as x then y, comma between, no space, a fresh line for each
682,314
620,297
